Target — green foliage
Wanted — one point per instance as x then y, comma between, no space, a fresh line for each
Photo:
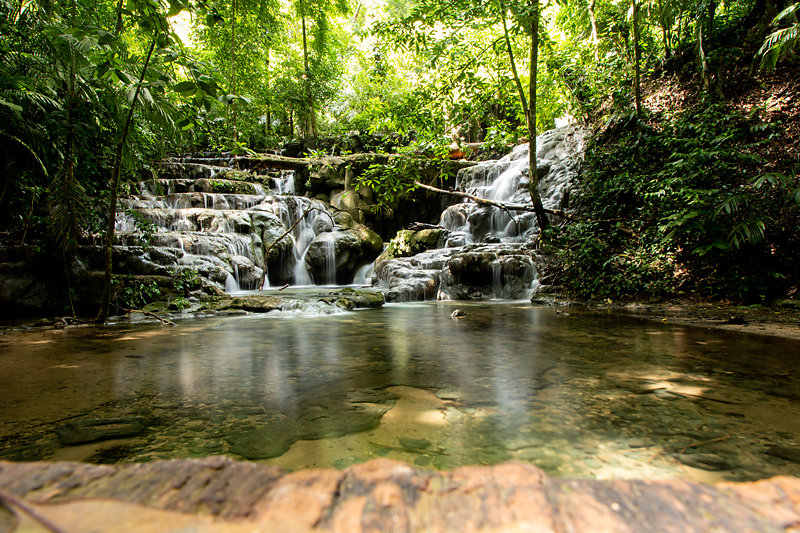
130,293
180,303
676,210
782,41
144,227
186,281
397,177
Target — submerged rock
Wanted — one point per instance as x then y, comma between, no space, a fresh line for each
97,429
704,461
255,303
788,453
271,440
222,494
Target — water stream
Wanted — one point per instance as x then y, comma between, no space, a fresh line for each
588,396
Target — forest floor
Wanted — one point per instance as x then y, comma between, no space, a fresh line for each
772,97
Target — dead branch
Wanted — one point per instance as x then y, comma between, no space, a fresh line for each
499,205
148,313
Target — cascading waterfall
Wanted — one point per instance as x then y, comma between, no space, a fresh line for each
488,252
201,214
220,227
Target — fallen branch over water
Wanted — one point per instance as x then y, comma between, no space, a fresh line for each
491,203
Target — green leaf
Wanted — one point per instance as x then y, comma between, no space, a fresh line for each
123,77
185,87
13,107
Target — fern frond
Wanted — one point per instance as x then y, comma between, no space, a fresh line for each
774,179
792,9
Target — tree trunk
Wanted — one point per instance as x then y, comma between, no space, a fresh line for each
701,55
665,39
112,208
712,9
637,58
269,103
595,34
233,71
120,25
310,122
533,175
510,52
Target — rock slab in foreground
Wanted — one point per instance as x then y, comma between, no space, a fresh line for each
219,494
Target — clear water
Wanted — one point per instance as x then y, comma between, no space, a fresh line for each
581,396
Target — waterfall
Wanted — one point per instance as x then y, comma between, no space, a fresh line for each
489,252
329,251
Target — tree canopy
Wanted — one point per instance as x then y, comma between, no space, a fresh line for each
92,93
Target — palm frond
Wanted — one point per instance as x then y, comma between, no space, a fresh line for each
68,202
750,231
781,41
732,204
28,149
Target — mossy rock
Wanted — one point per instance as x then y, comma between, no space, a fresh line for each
253,304
350,299
407,243
216,185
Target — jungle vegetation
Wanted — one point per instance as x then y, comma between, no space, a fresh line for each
698,196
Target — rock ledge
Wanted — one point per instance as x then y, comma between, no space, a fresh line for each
219,494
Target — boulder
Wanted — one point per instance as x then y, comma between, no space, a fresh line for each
488,271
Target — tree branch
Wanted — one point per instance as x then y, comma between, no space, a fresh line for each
499,205
148,313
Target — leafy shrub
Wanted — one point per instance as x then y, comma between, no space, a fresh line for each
128,293
186,281
682,209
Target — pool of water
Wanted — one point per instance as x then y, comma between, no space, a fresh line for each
580,396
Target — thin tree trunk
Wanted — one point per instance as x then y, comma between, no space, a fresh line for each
637,58
233,71
701,54
120,25
309,119
595,35
510,52
112,208
533,174
269,103
712,8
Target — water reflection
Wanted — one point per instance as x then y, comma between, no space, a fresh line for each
578,396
